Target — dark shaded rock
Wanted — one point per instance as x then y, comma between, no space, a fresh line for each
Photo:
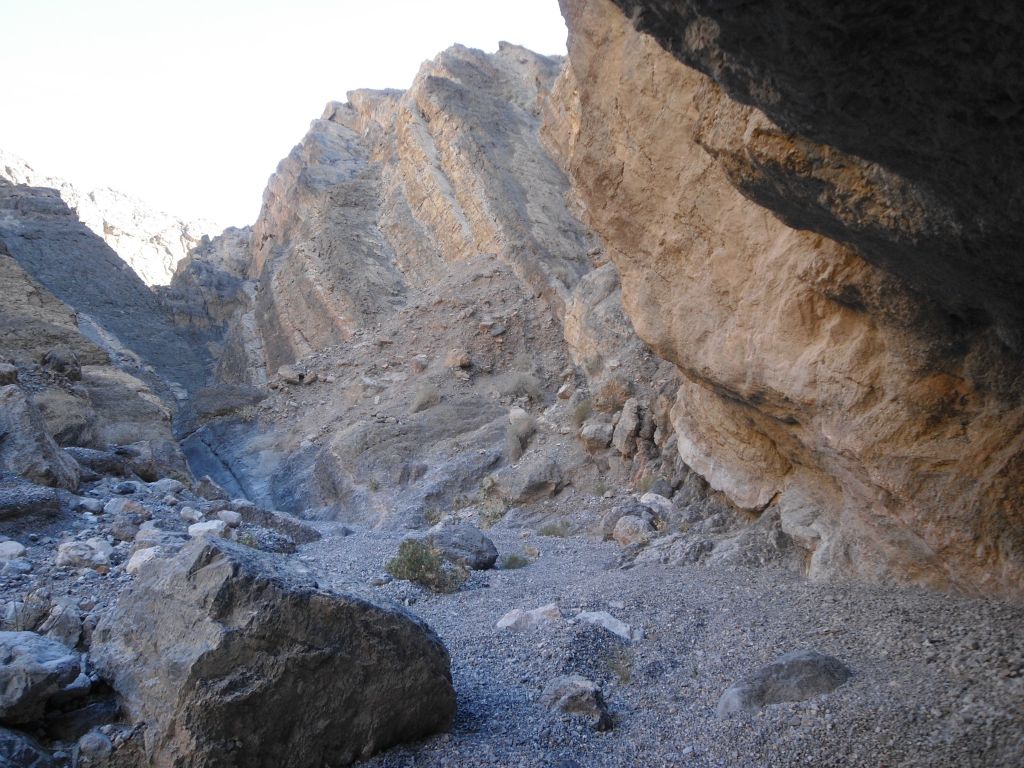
19,498
19,750
794,676
258,666
938,117
209,490
100,462
32,669
71,724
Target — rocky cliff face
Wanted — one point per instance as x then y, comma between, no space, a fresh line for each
151,242
413,266
814,252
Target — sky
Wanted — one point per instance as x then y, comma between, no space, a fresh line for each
190,104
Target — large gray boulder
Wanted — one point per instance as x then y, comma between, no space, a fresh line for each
462,543
32,669
230,656
793,676
26,448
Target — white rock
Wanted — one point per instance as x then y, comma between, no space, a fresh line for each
209,528
10,550
658,504
613,625
519,620
232,518
94,553
137,561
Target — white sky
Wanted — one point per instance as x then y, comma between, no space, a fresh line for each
190,104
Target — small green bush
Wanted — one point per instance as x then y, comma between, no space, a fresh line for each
424,565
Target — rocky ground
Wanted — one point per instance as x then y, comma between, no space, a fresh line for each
937,680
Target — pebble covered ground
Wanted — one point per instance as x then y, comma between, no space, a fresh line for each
938,679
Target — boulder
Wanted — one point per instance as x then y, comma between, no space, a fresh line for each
616,513
32,669
260,667
140,558
630,530
794,676
26,448
662,507
462,543
231,518
19,750
596,435
11,550
576,695
532,479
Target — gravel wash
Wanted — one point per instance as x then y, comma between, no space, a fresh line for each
938,679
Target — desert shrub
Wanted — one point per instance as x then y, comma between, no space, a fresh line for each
517,436
427,396
558,529
581,412
518,384
513,561
424,565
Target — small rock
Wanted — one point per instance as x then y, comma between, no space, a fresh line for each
8,374
623,438
17,567
167,485
631,530
86,504
462,543
64,624
209,490
519,620
576,695
290,374
792,677
230,517
210,528
613,625
94,746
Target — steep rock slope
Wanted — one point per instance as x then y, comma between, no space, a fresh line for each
151,242
114,308
418,267
847,330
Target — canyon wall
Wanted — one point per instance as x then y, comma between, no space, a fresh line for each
832,266
150,242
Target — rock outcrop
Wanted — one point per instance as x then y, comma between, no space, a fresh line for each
229,656
151,243
847,329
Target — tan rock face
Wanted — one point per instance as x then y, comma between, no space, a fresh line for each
889,437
